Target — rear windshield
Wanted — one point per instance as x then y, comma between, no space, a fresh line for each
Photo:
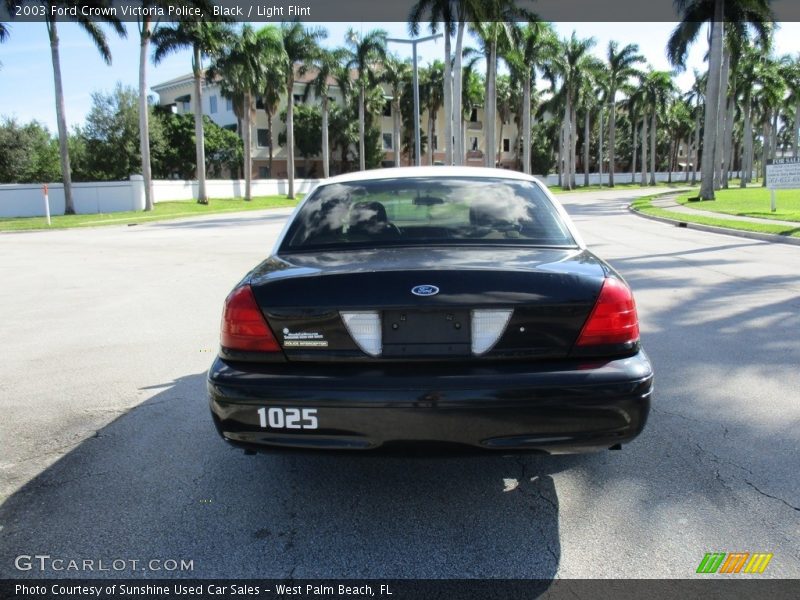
426,211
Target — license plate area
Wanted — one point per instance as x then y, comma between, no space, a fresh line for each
426,333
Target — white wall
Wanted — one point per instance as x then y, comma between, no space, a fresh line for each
594,178
26,200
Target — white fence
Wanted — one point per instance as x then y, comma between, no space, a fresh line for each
594,178
27,200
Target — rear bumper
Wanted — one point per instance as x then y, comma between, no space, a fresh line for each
566,406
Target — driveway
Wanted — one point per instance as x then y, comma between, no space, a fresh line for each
109,451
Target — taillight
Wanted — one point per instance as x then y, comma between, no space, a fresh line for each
243,325
613,319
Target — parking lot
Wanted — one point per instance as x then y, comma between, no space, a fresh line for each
109,451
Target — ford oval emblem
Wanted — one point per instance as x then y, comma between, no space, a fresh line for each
425,290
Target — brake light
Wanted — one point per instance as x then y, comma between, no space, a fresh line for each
243,325
613,319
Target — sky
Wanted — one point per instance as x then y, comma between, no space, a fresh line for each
26,73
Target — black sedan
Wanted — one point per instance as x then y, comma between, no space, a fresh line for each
432,307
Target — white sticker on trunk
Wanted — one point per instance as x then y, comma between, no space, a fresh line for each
303,339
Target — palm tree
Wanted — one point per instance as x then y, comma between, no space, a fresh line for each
535,44
695,97
454,15
301,46
146,28
694,13
363,54
790,68
326,64
270,99
571,64
205,39
241,69
472,96
91,26
621,67
395,74
659,89
492,34
432,88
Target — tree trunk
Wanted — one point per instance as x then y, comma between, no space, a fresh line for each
566,182
634,127
600,148
712,103
326,151
290,135
644,149
766,148
719,142
774,134
430,138
727,143
269,139
144,126
586,123
653,123
491,105
448,101
526,123
362,160
202,196
796,129
688,158
696,159
396,130
458,113
612,139
560,156
573,147
63,147
247,139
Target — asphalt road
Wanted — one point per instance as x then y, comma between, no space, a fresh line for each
108,451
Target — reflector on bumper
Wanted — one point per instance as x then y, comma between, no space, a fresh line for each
365,329
487,327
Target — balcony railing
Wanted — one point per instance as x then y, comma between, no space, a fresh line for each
474,125
474,154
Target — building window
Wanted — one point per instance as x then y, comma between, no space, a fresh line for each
387,108
506,145
263,138
473,144
387,141
228,104
260,103
212,104
435,142
263,172
298,99
473,116
186,106
680,151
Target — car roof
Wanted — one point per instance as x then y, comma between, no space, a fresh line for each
437,171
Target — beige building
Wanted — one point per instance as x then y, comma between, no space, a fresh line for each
178,94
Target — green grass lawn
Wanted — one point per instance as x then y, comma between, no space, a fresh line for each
161,212
749,202
644,205
625,185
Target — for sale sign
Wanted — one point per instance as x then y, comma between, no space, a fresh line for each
783,173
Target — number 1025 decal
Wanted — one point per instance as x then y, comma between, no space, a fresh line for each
288,418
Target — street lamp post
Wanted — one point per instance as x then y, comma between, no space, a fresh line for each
415,83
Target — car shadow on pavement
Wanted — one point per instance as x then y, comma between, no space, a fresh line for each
158,483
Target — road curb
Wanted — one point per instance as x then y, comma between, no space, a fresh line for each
753,235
